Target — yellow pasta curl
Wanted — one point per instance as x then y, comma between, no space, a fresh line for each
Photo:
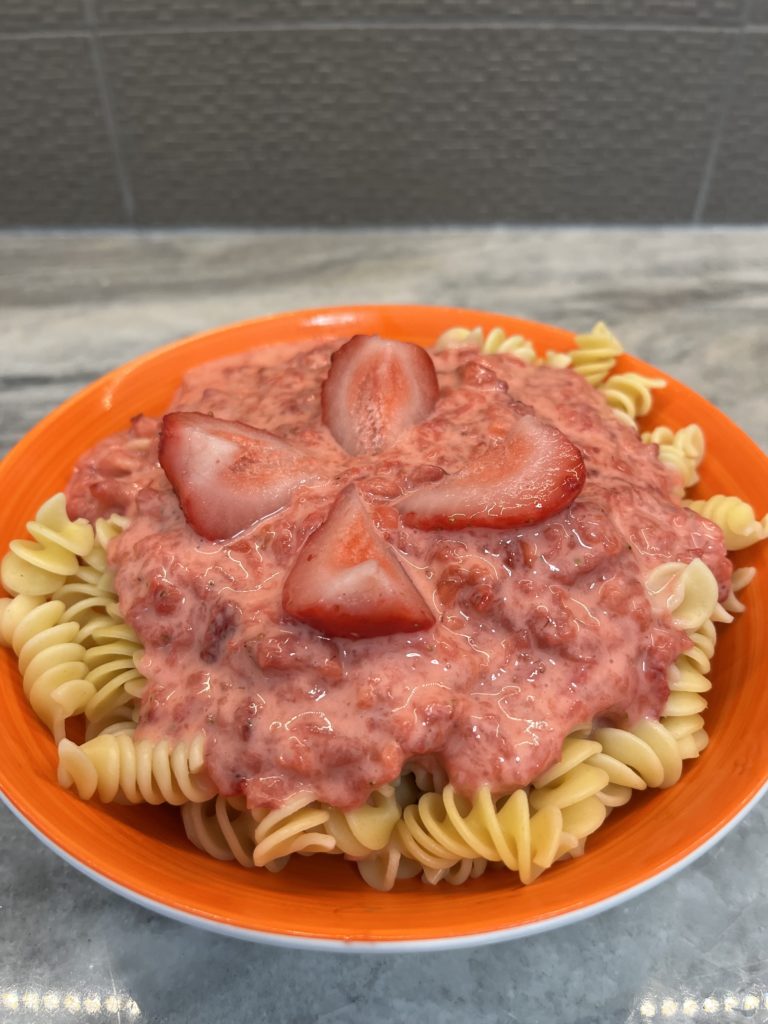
381,870
630,395
364,829
496,341
115,766
223,828
445,828
37,567
736,518
527,832
595,353
741,578
457,874
51,660
112,669
89,602
686,591
92,654
682,450
573,785
268,838
647,748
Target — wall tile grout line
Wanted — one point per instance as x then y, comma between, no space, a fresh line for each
422,24
380,24
107,106
731,71
43,33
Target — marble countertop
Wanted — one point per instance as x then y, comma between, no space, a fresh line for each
695,303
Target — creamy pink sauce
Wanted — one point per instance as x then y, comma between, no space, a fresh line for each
540,629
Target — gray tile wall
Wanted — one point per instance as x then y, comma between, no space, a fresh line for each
289,112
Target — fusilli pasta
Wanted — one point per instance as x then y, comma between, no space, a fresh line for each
488,344
629,395
37,567
51,660
736,519
595,353
115,766
681,450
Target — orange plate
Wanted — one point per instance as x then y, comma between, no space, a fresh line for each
142,852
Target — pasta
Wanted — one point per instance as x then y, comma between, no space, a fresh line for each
488,344
117,767
226,829
36,567
595,354
112,670
222,827
688,593
629,394
735,518
681,450
51,661
79,657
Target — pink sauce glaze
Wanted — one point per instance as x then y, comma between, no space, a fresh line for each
539,629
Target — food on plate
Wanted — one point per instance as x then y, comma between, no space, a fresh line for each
430,610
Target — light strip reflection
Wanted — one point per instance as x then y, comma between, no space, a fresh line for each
669,1009
75,1002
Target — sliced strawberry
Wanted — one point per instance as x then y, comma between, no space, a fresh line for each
530,475
347,581
228,475
375,390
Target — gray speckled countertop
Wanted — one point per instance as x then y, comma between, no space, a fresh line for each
693,302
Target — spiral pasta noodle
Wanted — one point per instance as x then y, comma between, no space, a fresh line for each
85,656
736,518
386,867
113,650
222,827
457,874
651,754
681,450
741,578
226,829
598,770
595,354
37,567
51,660
90,601
113,671
426,779
682,716
496,341
359,832
593,357
451,838
630,395
687,592
115,766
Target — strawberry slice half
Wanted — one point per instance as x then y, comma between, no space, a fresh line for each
376,389
347,581
529,476
228,475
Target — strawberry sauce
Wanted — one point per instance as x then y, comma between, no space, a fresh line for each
539,628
